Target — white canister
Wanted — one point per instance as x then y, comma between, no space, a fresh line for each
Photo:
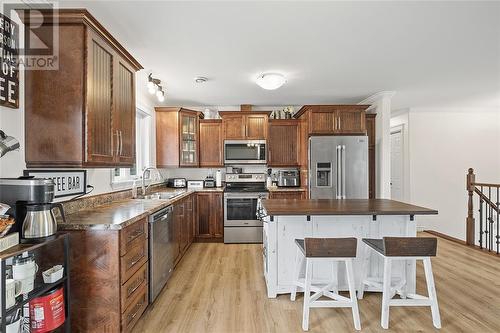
24,270
12,290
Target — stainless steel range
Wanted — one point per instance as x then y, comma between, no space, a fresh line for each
242,193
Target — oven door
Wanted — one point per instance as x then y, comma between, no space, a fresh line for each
240,209
245,152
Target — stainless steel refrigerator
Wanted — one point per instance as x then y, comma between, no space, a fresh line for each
338,167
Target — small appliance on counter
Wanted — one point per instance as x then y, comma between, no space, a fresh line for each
218,179
288,178
195,184
209,182
31,202
177,182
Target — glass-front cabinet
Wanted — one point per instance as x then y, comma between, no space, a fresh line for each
188,140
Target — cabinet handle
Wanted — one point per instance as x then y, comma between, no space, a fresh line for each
121,143
117,143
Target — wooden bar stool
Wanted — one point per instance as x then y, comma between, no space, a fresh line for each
402,248
333,250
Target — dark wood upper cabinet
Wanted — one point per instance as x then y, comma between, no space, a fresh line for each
283,143
334,119
177,137
83,113
234,126
370,130
244,125
211,142
210,224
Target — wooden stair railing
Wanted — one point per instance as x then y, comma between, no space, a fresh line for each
489,214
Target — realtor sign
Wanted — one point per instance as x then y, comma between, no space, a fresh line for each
67,182
9,48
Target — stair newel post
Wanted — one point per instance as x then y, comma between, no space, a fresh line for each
470,223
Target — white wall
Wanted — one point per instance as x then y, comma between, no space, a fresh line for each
443,144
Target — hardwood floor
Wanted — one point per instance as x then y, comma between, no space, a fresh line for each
220,288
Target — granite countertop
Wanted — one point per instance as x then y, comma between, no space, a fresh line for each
342,207
119,214
286,189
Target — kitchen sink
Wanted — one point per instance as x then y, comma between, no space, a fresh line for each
160,195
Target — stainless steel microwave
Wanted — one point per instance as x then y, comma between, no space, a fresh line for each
245,152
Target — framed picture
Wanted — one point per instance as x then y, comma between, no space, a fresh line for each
9,73
67,182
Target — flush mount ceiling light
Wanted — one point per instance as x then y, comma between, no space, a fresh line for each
154,88
270,81
200,79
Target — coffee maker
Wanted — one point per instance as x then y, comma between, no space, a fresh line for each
31,205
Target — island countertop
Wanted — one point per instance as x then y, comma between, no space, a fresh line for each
277,207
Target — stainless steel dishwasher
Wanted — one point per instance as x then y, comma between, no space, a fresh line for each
161,261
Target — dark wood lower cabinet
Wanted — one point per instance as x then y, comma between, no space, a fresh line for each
210,221
184,215
109,278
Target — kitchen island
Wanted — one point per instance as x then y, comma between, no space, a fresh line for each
288,219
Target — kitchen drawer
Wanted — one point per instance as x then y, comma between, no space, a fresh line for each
132,232
135,310
135,257
133,286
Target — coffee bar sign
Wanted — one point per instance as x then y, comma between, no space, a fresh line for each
9,73
67,182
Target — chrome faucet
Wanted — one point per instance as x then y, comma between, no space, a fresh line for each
148,171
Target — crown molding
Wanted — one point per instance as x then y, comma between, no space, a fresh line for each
378,96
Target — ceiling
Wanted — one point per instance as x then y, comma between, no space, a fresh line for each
430,53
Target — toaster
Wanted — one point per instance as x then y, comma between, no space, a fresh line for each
176,182
288,178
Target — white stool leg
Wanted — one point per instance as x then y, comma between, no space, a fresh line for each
307,295
364,271
386,293
299,261
431,289
352,294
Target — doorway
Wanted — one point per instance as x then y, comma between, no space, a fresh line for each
397,152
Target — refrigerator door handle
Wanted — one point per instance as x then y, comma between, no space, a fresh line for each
343,171
338,185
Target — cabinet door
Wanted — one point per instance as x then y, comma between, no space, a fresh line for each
216,216
101,140
203,209
176,239
256,127
350,122
370,130
234,127
211,143
321,121
184,227
283,144
188,139
124,112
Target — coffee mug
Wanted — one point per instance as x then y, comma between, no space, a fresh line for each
25,272
12,290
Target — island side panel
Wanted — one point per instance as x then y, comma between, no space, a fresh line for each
280,249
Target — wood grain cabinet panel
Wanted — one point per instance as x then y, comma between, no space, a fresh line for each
350,121
244,125
283,143
370,130
211,143
177,137
91,124
256,127
234,127
321,121
125,112
210,224
109,270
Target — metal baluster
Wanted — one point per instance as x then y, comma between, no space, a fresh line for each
481,220
498,220
490,220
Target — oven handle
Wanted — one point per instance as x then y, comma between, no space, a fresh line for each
255,195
